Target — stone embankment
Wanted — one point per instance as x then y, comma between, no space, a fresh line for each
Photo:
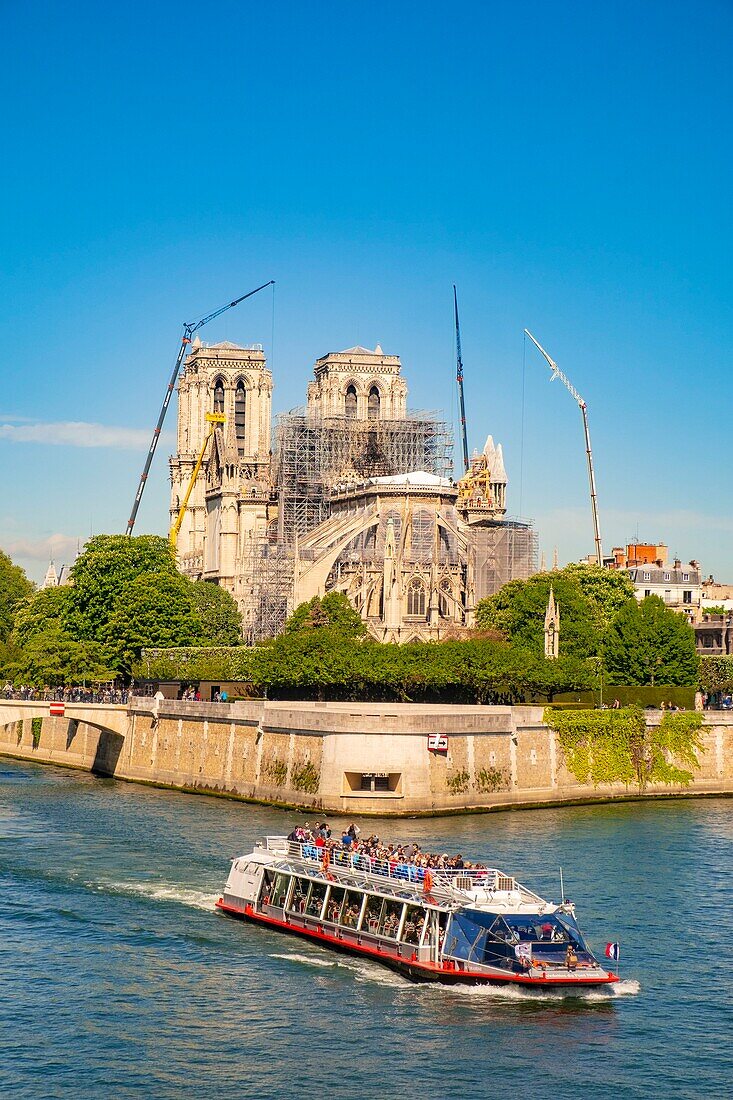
348,758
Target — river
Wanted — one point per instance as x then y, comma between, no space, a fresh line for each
119,979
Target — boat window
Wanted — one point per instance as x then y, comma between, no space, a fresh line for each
335,901
351,908
414,921
315,899
299,895
280,890
266,889
539,928
372,914
389,921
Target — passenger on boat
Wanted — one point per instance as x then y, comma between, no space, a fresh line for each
571,959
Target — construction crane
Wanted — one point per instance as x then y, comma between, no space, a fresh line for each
213,419
557,373
459,377
189,328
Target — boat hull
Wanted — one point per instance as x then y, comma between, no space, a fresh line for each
411,969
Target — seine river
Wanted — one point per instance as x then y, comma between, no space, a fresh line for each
118,979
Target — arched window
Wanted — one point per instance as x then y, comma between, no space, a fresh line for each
350,403
416,598
219,396
444,600
240,404
373,403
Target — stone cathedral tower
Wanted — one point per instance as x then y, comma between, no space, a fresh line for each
229,502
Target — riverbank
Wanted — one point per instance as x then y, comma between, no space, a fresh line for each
347,758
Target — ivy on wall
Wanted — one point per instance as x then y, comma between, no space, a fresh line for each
305,777
489,780
36,726
458,782
276,771
617,746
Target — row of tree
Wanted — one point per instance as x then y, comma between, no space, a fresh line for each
126,595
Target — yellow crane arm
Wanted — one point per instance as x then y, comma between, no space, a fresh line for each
213,419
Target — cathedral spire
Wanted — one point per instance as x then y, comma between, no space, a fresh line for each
552,628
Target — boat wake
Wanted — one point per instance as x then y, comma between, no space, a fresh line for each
363,972
161,891
372,972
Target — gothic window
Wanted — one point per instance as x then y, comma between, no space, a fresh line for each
240,400
350,403
422,534
416,598
219,396
444,600
373,403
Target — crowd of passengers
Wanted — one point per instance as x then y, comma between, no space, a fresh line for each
28,693
397,860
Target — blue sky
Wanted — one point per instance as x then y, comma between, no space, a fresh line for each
568,167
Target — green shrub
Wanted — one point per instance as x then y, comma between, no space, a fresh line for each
37,727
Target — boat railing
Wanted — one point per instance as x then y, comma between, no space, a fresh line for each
472,882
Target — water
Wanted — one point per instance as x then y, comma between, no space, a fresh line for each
118,978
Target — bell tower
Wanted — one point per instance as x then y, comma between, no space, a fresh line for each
235,381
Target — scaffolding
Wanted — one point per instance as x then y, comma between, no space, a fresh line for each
502,550
312,455
266,602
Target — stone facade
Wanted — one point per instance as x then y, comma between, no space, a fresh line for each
343,758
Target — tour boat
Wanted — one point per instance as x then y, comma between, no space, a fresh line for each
471,926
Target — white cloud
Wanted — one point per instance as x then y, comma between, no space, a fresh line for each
77,433
62,548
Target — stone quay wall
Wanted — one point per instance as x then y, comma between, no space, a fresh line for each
346,758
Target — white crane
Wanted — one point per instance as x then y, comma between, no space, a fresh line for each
557,373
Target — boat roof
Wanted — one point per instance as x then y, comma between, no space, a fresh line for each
483,888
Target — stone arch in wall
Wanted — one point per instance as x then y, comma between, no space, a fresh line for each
240,415
218,394
351,401
374,401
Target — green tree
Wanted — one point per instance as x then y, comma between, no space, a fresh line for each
648,643
55,658
14,589
217,612
606,590
100,576
45,611
155,609
332,611
518,611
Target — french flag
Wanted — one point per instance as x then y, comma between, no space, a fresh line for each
613,951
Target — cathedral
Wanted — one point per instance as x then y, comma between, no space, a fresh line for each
352,493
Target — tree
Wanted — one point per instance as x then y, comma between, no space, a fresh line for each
606,590
518,611
332,611
648,643
14,589
218,614
45,611
108,565
155,609
55,658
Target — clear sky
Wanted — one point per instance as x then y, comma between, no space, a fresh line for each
568,166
